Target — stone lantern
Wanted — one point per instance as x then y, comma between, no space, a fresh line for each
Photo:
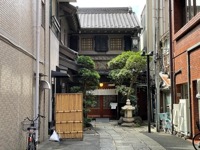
128,115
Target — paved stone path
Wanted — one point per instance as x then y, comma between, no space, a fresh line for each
110,136
114,137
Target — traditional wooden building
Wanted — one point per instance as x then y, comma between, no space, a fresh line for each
105,33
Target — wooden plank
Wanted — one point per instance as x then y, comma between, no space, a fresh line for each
69,122
69,115
62,111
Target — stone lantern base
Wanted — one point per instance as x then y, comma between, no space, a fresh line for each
127,120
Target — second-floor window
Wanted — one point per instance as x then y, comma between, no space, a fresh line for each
101,43
184,10
87,44
192,8
115,44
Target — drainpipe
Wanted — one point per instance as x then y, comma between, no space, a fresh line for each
174,95
37,29
50,79
189,87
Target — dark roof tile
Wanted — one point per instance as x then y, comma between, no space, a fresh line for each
116,17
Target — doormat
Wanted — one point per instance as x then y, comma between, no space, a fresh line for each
104,120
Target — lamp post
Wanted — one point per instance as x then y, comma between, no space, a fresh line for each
148,90
135,42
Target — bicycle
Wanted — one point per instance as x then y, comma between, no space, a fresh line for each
196,139
31,141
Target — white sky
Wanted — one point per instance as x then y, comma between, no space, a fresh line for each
137,5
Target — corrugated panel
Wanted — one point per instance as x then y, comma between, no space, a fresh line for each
107,18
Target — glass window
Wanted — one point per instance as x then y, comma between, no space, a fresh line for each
115,44
43,15
191,9
187,11
198,5
87,44
184,91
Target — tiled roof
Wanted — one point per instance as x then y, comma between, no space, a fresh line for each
115,17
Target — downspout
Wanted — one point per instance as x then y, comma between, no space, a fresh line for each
174,95
189,87
171,63
50,78
36,104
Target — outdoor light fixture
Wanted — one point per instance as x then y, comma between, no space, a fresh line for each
101,84
135,42
148,89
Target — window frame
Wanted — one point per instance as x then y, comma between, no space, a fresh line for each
84,39
116,43
191,10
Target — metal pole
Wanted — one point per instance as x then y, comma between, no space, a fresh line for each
148,97
36,102
172,90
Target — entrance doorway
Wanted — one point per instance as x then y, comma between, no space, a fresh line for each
103,108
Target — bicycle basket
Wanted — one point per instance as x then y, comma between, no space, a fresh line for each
26,124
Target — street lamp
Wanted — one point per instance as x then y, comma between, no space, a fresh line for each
148,90
135,42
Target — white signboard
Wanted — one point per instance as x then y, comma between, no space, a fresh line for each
104,92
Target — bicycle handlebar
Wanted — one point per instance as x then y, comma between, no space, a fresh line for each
33,120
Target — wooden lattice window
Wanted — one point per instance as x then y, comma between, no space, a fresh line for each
116,44
87,44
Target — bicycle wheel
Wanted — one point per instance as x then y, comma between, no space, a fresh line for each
196,141
31,146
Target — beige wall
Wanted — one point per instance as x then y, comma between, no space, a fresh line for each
17,68
54,51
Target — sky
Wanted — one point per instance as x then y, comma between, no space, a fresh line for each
137,5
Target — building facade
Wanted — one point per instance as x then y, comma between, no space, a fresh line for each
155,37
63,22
104,34
34,58
24,70
186,61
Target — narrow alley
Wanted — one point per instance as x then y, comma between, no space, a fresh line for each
108,135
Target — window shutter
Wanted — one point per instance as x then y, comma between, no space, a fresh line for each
74,43
127,43
101,43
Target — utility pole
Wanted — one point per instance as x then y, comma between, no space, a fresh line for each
157,62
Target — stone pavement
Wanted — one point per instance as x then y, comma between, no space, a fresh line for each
114,137
110,136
